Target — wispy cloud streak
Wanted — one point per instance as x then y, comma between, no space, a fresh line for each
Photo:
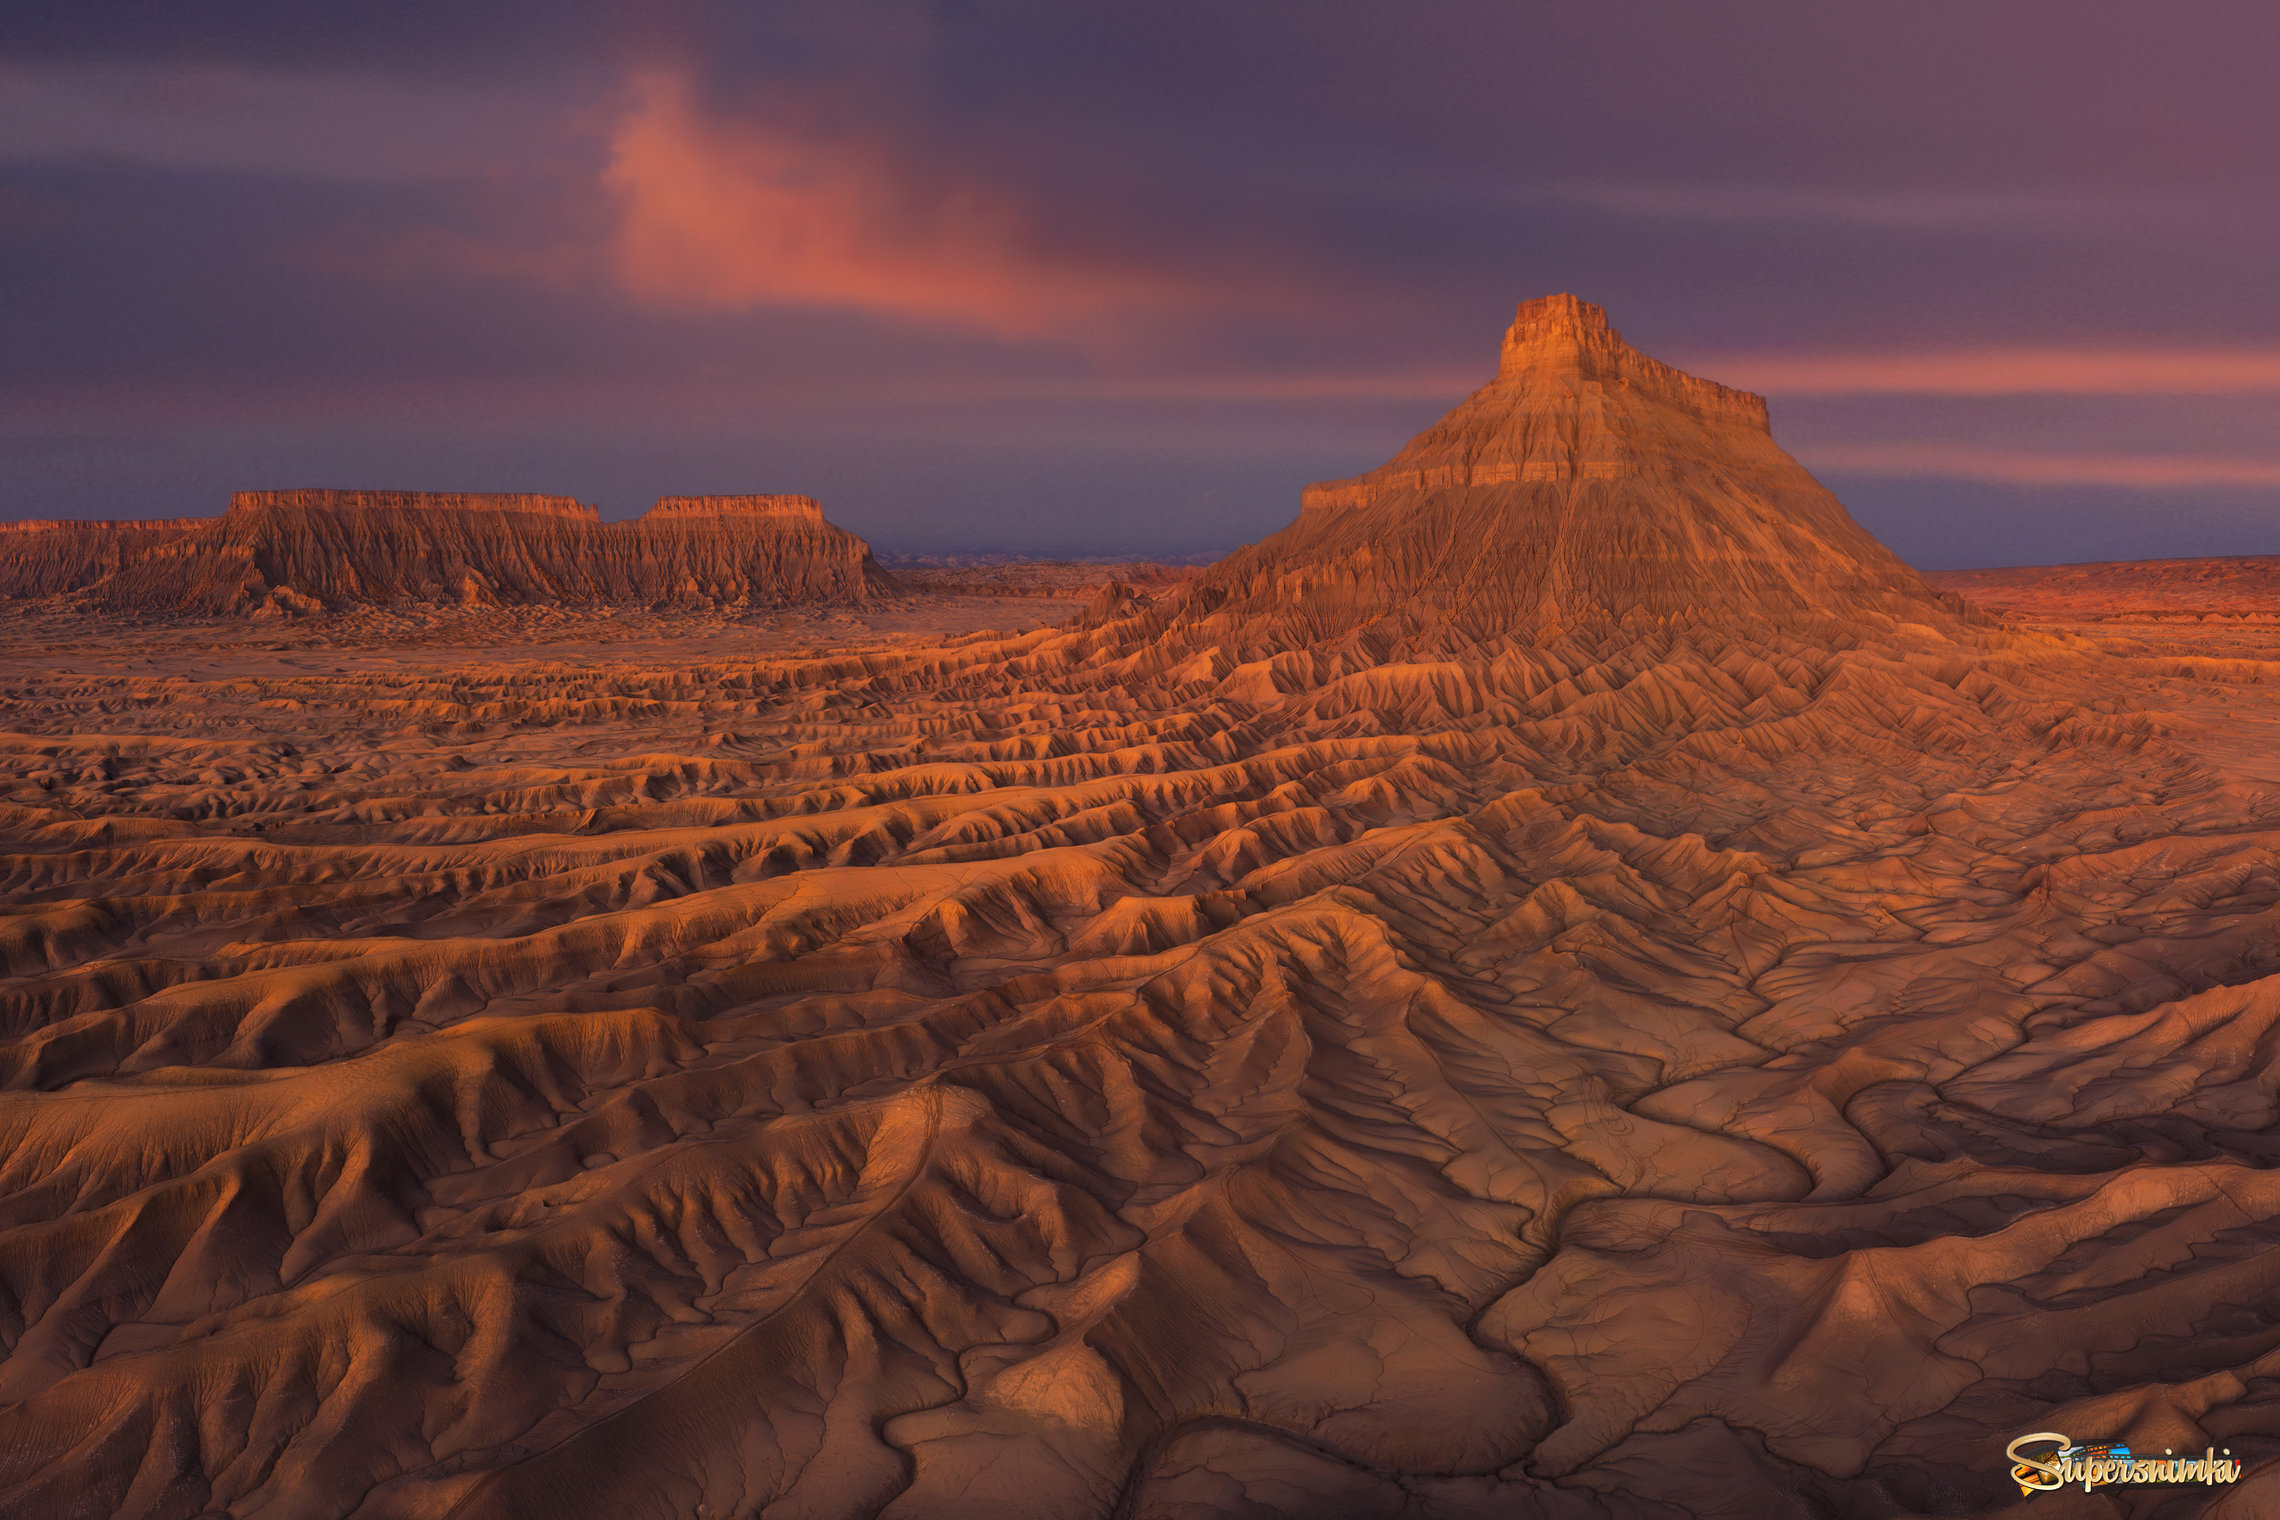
2004,372
1960,462
2118,209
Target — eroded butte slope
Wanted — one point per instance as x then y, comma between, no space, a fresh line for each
1305,1047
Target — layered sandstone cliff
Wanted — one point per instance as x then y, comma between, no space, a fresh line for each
1585,483
43,557
307,549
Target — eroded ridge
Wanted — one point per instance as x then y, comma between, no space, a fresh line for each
506,1089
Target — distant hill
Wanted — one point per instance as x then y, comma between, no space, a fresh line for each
2245,587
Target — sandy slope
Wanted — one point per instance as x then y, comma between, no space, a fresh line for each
1303,1047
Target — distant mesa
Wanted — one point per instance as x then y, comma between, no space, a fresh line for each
285,553
2227,588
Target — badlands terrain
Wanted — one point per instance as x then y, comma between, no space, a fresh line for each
1567,983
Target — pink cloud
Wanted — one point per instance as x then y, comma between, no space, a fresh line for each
2004,372
1955,462
740,214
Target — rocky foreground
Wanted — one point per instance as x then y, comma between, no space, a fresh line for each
1568,983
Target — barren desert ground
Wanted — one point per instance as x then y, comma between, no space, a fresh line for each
1568,983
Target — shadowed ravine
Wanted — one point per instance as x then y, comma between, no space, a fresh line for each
1621,1001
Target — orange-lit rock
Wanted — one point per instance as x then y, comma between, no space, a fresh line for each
1585,483
352,548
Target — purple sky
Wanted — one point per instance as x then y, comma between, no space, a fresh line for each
1087,279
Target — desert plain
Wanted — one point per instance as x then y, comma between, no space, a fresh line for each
1567,983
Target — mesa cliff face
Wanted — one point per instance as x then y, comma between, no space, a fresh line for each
41,557
311,549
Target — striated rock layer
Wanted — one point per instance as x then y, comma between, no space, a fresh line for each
1585,483
1526,1038
41,558
306,550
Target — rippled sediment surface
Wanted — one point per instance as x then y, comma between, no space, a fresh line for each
676,1076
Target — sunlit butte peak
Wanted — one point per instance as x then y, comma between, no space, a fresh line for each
1566,340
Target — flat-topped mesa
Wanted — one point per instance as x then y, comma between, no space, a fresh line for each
308,549
377,502
740,550
681,508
